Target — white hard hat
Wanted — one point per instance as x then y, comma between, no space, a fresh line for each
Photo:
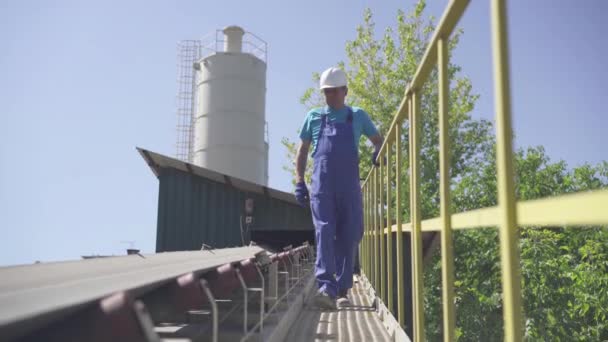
332,78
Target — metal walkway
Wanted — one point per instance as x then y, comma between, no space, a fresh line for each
359,322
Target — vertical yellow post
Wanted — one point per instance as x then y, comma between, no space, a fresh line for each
381,170
369,232
360,249
389,235
398,215
364,240
415,213
447,251
413,255
375,227
377,231
370,251
509,239
372,229
368,247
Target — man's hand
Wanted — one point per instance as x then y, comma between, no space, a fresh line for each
302,195
377,140
374,157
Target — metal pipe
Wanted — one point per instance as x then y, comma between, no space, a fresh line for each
389,235
381,236
372,210
262,297
145,322
214,310
447,251
376,231
245,308
508,233
366,231
400,249
415,213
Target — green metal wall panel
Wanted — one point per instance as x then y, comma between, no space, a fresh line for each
193,210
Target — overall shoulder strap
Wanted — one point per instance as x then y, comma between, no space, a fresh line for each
324,114
349,118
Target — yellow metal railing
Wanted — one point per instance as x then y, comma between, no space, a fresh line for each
580,209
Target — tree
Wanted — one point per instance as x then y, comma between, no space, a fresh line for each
378,72
564,270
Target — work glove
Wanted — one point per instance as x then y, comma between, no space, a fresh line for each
302,195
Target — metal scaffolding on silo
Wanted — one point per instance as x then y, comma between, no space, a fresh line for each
188,52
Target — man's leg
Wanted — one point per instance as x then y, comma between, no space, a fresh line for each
345,254
324,218
349,228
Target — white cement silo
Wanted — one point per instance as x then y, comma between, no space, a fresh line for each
229,123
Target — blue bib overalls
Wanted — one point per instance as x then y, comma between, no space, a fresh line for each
336,204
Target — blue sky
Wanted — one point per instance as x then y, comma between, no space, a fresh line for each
84,82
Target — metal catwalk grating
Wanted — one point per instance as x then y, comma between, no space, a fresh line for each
359,322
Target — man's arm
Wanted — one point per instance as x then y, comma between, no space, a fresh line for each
301,158
377,140
370,130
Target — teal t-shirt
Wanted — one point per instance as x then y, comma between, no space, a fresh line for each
362,124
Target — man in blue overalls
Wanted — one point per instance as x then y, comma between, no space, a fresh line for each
335,197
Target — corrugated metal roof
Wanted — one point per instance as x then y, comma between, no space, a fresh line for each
157,162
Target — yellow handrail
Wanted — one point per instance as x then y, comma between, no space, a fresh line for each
578,209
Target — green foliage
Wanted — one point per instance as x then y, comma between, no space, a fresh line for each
564,270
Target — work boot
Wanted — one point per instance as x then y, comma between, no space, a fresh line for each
324,301
343,300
